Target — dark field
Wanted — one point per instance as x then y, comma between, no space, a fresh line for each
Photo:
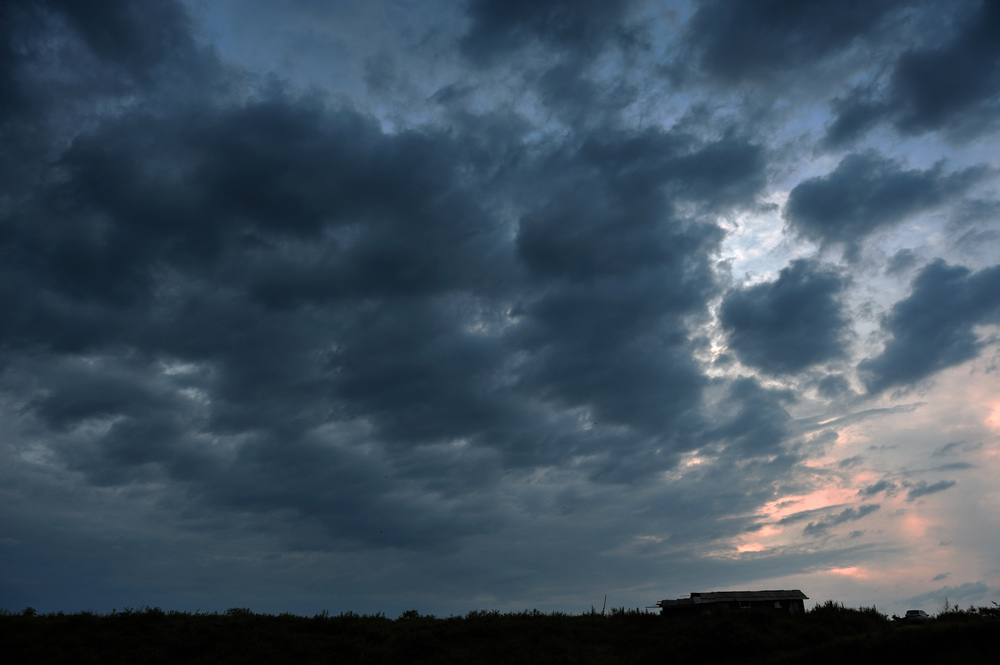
827,634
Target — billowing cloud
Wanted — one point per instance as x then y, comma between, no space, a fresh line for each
752,419
789,324
304,304
932,328
949,84
922,488
961,595
581,28
281,267
881,486
867,193
737,41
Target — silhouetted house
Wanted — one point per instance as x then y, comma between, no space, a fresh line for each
733,601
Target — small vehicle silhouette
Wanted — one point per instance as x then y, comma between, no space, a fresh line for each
916,616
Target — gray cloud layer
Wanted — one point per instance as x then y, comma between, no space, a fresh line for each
950,83
739,42
321,326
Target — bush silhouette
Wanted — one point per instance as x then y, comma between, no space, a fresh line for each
829,633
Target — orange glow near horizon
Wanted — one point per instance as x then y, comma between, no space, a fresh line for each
914,526
821,498
768,535
993,418
958,423
769,530
852,571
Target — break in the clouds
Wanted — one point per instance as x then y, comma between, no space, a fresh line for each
468,305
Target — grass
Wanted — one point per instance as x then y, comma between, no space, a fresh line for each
830,633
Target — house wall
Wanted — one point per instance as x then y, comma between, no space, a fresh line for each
790,606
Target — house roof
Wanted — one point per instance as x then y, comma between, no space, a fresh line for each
700,598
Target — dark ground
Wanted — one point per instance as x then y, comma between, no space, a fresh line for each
827,634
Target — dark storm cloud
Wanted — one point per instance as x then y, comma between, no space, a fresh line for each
972,225
901,261
854,114
850,462
199,242
62,61
833,386
264,286
824,422
752,41
239,198
121,45
16,21
618,271
789,324
413,370
847,515
932,328
922,488
580,28
947,449
954,466
140,40
753,419
343,497
210,278
948,83
571,36
623,223
957,447
570,92
362,340
969,592
881,486
867,193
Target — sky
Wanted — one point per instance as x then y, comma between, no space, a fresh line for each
384,305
